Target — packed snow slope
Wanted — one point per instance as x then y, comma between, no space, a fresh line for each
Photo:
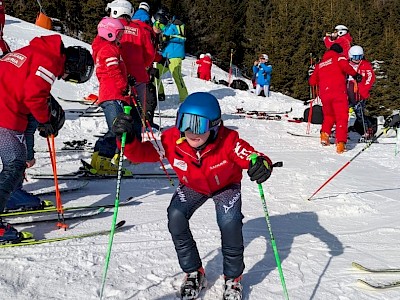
353,218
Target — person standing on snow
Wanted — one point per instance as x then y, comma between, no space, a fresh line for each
143,13
172,51
35,67
359,92
199,63
339,36
3,45
138,52
330,76
113,90
206,66
208,159
262,70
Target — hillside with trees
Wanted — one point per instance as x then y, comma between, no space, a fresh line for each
288,31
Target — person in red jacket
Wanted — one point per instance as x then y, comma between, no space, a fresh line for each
113,90
3,45
330,76
339,36
359,92
205,67
137,50
208,159
199,62
26,77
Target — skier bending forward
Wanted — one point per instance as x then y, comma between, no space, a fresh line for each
208,159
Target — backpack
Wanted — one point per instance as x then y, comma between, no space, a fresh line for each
181,27
317,116
239,85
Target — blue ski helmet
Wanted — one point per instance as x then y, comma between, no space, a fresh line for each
199,113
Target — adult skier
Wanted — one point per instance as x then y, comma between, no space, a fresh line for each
34,67
208,159
339,36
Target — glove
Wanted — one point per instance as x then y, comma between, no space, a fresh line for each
131,80
166,38
311,70
154,73
56,120
123,123
260,171
358,77
392,121
164,61
126,91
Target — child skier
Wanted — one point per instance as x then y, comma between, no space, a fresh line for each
262,71
208,159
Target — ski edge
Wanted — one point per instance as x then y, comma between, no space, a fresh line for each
370,270
379,286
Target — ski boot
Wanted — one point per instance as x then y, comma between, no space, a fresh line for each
324,139
233,289
101,165
8,234
192,284
22,200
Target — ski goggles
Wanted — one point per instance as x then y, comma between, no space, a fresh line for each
195,124
159,25
357,57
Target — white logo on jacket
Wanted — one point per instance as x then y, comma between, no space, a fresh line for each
242,152
180,164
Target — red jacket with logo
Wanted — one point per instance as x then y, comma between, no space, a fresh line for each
344,41
110,70
26,77
204,68
137,49
218,165
330,74
365,69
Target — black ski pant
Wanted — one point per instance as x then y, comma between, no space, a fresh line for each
228,204
13,162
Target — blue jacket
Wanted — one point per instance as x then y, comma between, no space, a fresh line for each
143,16
175,42
263,73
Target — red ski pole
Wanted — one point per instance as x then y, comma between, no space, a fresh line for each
346,164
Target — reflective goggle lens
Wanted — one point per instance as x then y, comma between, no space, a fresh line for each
192,123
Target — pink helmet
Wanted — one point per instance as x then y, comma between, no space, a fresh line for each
108,28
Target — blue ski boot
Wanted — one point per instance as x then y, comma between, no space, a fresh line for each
8,233
22,200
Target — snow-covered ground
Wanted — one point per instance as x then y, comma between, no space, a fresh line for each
353,218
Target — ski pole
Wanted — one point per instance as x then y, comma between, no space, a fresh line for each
127,110
230,69
60,211
253,158
346,164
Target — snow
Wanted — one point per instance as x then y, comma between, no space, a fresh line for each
353,218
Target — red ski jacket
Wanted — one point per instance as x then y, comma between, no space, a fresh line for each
330,74
137,49
26,77
344,41
204,68
218,165
110,70
365,69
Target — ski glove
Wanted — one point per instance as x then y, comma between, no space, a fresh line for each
123,123
56,120
260,171
131,80
358,77
392,121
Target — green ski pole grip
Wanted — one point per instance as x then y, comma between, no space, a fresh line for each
127,109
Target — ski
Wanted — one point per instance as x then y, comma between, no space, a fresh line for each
128,201
303,135
261,112
379,270
29,240
64,187
262,117
80,216
80,101
380,285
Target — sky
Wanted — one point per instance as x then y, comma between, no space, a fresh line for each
353,218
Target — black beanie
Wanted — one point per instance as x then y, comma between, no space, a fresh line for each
337,48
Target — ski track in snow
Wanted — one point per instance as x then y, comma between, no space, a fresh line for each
353,218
